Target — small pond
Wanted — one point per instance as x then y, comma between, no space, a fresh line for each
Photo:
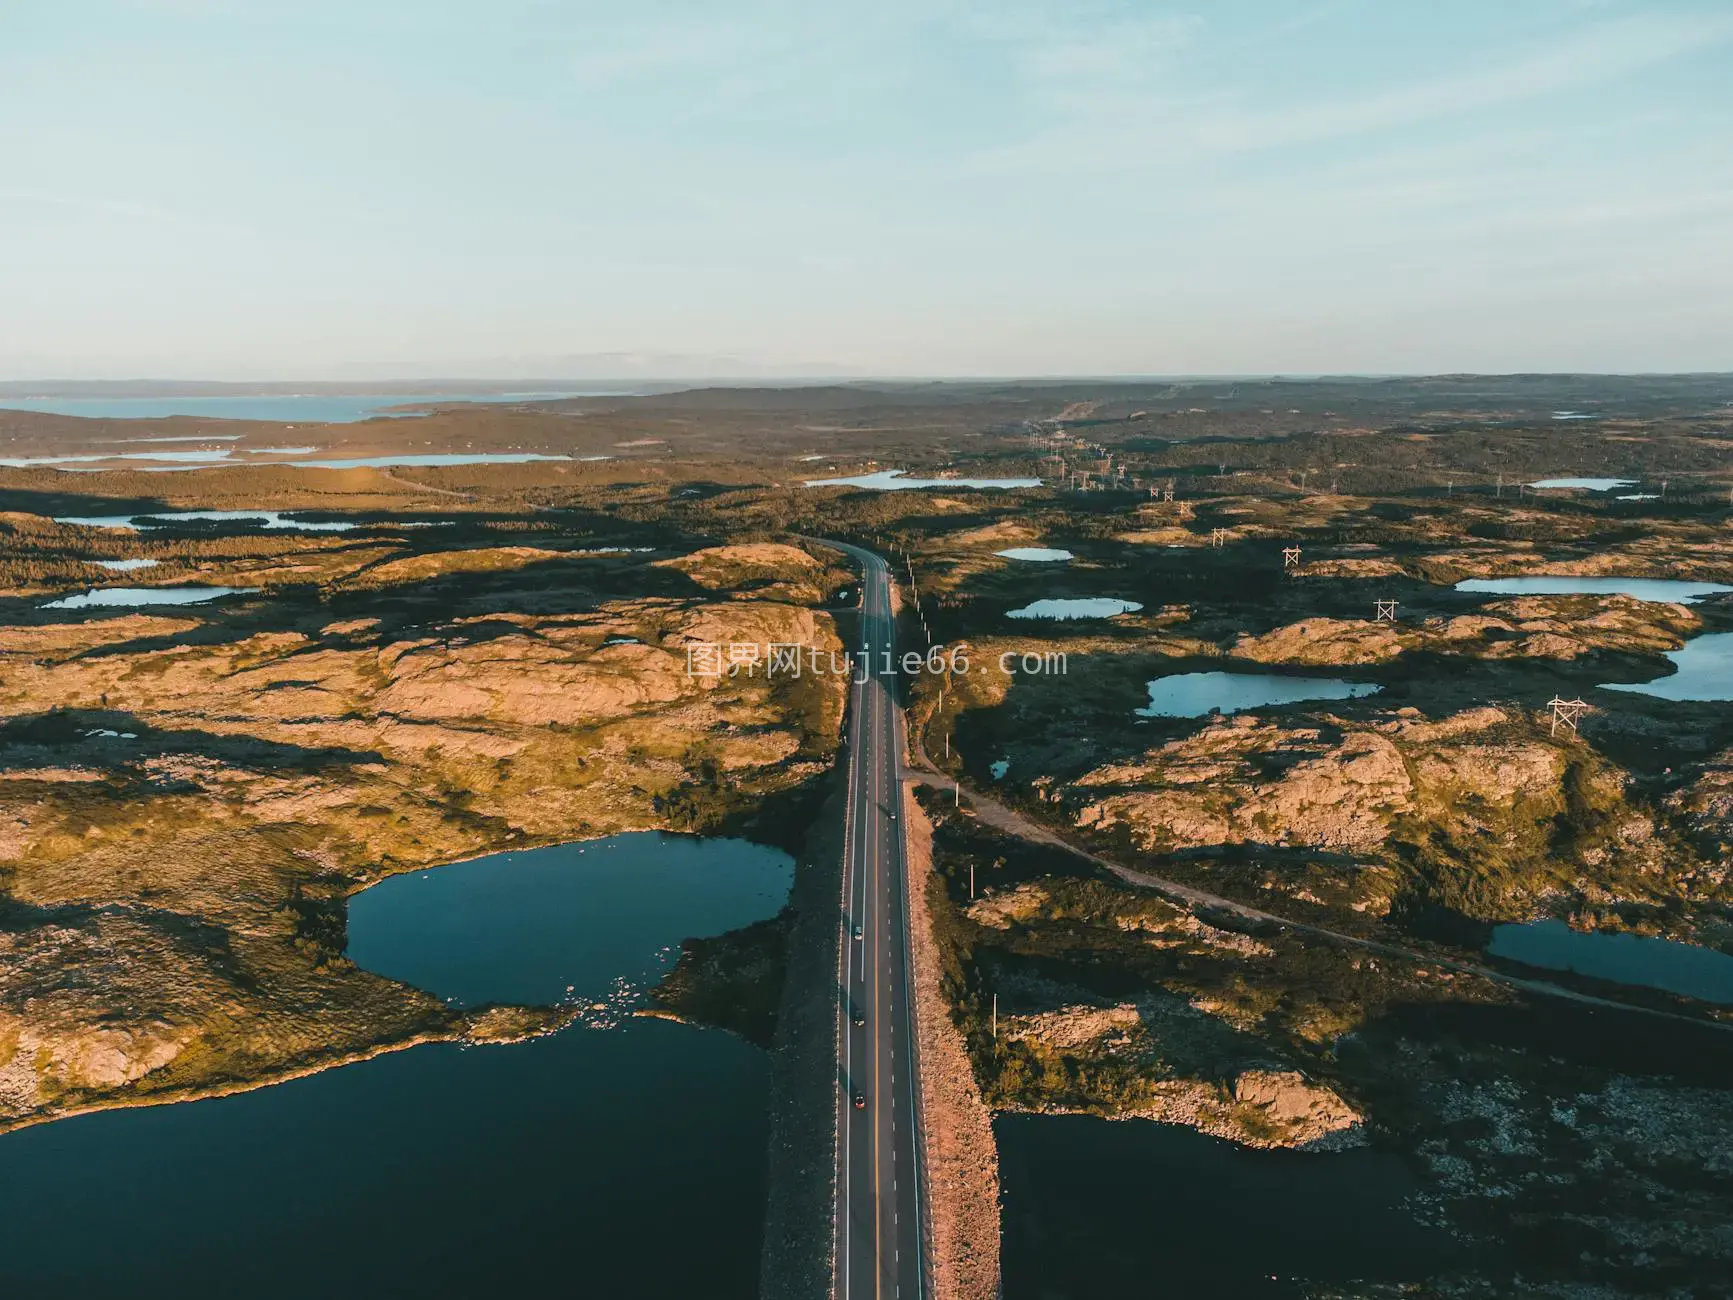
124,566
432,458
123,597
891,480
1037,554
1684,968
1192,695
1588,484
1678,591
163,518
1077,607
1705,672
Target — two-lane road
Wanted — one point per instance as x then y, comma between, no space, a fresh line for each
879,1194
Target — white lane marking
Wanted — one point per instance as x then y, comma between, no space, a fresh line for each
852,876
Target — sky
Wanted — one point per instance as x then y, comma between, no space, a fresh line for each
350,189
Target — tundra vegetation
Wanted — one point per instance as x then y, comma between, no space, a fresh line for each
494,655
190,796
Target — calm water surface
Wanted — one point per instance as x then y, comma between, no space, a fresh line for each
433,458
1705,672
1097,1208
1679,591
1038,554
892,480
124,597
598,1162
1685,968
1076,607
1192,695
262,518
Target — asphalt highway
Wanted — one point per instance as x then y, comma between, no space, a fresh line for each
879,1195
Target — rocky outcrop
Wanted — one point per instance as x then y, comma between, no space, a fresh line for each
1526,627
180,826
1262,1105
1300,1112
1704,804
1315,641
475,559
772,570
1212,789
1489,795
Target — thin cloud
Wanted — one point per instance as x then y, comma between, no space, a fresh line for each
1123,126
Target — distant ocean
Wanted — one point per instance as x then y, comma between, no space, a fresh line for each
310,408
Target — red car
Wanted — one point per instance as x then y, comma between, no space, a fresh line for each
860,1101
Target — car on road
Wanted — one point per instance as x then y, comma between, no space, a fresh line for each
859,933
859,1017
860,1101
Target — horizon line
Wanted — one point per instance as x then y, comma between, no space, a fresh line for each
549,387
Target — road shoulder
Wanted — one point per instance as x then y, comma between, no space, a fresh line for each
962,1157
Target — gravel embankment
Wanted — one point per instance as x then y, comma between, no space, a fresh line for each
796,1263
962,1156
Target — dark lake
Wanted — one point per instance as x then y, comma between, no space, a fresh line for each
626,1161
1135,1209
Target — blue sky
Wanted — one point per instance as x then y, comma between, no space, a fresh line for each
349,188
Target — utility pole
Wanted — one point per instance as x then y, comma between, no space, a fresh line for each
1567,712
